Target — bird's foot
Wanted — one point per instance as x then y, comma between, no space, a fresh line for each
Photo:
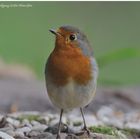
58,136
85,129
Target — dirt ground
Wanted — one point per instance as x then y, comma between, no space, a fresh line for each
31,95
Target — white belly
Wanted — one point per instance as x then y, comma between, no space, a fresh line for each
71,96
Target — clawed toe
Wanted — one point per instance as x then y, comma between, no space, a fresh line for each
85,129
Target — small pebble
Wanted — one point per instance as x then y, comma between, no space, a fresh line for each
109,117
71,136
26,122
121,135
40,135
40,127
24,129
33,134
74,130
133,125
75,120
14,122
9,125
19,134
53,122
54,129
34,123
4,135
1,117
2,121
45,119
63,135
91,120
5,129
10,132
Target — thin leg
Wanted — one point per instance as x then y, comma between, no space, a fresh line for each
59,125
85,127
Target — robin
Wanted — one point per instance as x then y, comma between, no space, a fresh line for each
71,72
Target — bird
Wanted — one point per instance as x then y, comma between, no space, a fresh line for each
71,72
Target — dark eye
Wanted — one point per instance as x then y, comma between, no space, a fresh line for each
73,37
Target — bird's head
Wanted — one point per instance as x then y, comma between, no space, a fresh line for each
68,37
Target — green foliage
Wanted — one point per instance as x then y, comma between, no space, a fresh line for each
114,57
118,55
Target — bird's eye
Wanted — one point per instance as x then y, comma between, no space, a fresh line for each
73,37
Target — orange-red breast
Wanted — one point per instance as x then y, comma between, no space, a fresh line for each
71,71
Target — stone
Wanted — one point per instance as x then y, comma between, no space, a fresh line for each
108,116
24,130
19,134
26,122
71,136
54,129
74,129
133,125
40,135
2,121
10,126
34,123
55,120
132,120
33,134
1,117
75,120
4,135
40,127
91,120
83,135
14,122
10,132
121,135
4,129
133,116
45,119
62,135
101,136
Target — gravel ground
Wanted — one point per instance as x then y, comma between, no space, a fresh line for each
44,125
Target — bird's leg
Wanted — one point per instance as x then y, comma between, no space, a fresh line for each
59,125
85,127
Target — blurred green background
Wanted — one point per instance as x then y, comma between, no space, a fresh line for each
113,29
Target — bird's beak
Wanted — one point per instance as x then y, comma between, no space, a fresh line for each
54,32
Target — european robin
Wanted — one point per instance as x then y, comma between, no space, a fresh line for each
71,72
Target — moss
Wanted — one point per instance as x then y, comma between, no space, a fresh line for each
29,117
104,130
118,133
